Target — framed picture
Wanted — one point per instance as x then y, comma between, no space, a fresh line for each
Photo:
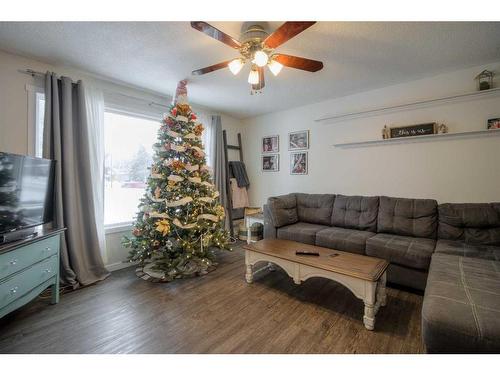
270,144
298,162
494,123
271,163
298,140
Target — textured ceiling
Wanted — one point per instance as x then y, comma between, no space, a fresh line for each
357,56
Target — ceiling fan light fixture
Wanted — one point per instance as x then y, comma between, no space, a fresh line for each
260,58
253,77
236,65
275,67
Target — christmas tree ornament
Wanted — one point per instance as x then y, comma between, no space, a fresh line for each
180,223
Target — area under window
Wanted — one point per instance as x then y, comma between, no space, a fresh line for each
128,142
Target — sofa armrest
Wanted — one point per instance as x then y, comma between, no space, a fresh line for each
269,228
283,210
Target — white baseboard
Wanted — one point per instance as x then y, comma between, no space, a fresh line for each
118,266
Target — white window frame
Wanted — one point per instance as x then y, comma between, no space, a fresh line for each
126,225
32,130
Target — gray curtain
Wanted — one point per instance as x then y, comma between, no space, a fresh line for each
219,163
66,140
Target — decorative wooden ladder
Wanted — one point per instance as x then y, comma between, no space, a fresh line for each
229,207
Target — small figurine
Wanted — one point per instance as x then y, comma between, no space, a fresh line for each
442,129
386,133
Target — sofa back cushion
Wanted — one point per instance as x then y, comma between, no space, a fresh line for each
315,208
408,217
283,210
355,212
473,223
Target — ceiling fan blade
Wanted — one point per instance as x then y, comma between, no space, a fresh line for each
215,33
298,62
286,32
211,68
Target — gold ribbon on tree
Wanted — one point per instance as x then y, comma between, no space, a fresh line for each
180,202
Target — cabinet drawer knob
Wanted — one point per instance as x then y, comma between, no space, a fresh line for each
13,290
47,249
47,271
13,262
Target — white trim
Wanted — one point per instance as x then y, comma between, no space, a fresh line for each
119,266
421,138
118,227
415,105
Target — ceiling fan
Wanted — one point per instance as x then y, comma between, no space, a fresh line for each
257,46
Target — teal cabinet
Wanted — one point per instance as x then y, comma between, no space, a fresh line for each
27,268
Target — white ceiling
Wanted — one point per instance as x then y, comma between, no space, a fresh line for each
357,56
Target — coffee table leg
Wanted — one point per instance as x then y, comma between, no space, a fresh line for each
369,317
249,274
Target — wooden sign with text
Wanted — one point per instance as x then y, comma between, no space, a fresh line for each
413,130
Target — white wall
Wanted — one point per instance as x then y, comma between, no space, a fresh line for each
458,170
14,115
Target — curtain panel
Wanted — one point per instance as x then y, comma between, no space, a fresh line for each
72,137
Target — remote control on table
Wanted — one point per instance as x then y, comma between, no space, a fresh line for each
306,252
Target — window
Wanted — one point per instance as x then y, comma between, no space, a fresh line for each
128,142
39,119
36,114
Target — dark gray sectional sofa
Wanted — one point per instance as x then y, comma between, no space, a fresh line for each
452,251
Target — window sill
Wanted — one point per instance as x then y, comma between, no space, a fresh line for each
117,228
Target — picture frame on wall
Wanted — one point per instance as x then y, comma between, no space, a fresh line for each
493,123
270,144
299,163
298,140
271,163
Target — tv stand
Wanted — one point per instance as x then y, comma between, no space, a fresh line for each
28,267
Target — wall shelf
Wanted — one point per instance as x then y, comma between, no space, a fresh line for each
409,106
421,138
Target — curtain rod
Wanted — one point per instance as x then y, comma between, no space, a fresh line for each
34,73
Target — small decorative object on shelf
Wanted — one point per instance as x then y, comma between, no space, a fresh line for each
386,133
484,80
442,129
413,130
494,123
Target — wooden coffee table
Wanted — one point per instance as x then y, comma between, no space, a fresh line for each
364,276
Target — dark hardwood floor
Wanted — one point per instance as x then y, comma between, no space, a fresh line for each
217,313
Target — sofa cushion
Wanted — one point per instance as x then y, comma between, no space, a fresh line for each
406,251
408,217
351,240
466,250
283,210
300,232
315,208
461,309
355,212
474,223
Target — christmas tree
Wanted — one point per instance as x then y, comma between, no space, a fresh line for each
180,222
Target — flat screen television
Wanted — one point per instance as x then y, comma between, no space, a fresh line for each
26,194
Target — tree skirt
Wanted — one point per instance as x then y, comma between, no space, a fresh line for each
149,273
